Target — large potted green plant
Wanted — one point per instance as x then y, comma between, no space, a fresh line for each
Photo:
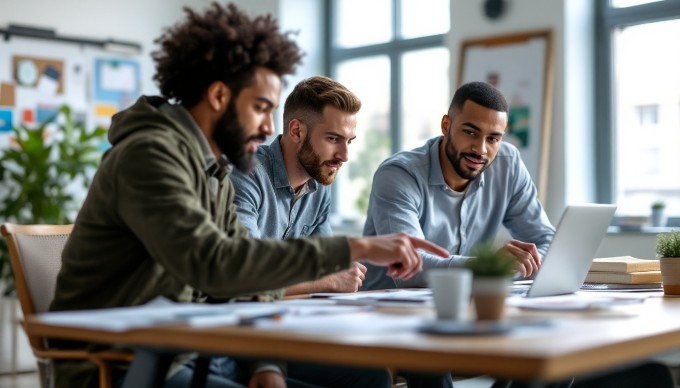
40,172
492,270
668,251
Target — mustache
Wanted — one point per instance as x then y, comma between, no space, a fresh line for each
337,162
475,156
261,138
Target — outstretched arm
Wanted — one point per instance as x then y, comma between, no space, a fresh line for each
398,252
397,201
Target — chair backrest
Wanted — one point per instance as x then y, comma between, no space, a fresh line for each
35,256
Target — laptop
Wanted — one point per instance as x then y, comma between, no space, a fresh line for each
571,252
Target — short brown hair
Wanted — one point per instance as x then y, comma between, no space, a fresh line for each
221,44
310,96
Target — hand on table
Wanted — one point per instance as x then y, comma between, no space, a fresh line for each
347,281
526,254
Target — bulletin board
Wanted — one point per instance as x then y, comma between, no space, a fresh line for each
38,76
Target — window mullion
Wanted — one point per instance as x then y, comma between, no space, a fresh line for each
395,101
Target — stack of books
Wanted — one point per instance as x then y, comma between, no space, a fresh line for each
624,270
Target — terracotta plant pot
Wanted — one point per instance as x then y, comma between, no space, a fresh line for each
670,275
488,294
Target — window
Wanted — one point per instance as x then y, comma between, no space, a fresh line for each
390,53
639,106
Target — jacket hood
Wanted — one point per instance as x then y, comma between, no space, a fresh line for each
143,115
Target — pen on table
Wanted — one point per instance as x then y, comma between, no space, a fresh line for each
249,320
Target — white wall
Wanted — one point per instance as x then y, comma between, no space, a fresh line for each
124,20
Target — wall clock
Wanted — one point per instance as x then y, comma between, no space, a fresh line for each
27,72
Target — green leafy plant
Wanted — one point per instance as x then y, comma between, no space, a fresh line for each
39,170
668,244
658,205
488,261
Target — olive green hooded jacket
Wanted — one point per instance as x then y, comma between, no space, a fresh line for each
146,229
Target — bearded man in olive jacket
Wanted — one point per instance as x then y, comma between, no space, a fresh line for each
159,218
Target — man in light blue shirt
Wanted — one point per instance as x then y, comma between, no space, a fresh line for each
458,189
288,194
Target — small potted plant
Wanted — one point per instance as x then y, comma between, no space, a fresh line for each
668,251
658,214
492,270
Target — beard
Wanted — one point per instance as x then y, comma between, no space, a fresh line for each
312,163
229,136
456,159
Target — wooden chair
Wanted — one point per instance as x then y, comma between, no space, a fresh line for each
35,256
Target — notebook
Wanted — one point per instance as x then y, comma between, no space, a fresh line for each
571,252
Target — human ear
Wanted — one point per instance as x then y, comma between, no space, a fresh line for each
446,121
295,130
219,95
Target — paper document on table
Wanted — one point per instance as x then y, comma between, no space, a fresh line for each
302,307
396,295
571,302
364,323
162,311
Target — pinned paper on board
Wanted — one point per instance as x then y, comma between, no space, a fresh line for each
117,81
48,83
45,112
105,110
7,97
5,120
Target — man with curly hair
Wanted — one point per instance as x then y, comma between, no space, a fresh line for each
159,218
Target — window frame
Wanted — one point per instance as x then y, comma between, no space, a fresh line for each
607,19
393,50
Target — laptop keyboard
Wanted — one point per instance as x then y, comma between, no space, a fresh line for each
519,289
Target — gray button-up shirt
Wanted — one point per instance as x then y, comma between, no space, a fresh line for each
410,195
267,205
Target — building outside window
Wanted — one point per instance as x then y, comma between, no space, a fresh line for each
638,88
390,53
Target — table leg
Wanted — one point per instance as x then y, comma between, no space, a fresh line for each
148,369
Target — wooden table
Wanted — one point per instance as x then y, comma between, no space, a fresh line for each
575,345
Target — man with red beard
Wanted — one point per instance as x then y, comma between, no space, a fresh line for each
459,189
288,194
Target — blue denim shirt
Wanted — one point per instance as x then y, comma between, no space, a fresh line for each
410,195
266,203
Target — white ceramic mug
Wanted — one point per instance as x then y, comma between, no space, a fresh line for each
451,292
